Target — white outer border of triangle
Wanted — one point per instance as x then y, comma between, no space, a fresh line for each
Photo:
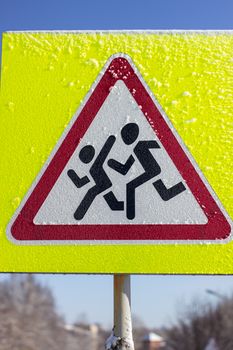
63,136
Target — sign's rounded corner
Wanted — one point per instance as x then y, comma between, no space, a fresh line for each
9,235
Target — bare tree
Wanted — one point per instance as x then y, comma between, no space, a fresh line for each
28,319
200,323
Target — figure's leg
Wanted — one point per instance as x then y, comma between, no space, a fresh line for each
130,200
113,202
130,193
167,193
86,203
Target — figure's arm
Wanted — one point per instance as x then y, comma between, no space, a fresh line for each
79,182
150,144
119,167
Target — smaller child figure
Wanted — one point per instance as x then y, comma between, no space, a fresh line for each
101,179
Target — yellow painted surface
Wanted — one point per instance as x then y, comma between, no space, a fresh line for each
44,78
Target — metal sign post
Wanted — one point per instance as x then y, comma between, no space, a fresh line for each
121,337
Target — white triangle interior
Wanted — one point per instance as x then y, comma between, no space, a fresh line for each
119,109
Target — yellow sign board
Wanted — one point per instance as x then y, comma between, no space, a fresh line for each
44,79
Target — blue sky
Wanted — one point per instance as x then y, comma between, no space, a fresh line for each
156,299
121,14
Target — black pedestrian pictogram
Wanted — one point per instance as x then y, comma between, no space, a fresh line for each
129,135
102,181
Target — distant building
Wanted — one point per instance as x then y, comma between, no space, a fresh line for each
86,336
83,337
153,341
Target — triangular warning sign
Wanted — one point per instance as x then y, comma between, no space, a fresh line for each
120,173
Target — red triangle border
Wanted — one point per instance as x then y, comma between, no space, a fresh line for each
217,227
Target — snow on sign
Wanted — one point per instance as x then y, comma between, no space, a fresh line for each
120,174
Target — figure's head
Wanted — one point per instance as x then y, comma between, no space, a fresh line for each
129,133
87,154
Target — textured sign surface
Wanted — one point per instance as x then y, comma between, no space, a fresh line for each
44,78
118,174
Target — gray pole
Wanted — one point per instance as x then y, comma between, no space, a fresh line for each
121,337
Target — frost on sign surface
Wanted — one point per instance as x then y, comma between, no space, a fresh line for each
120,173
119,110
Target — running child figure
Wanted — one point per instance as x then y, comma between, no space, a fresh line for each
129,135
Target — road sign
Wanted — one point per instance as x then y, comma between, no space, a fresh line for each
119,174
96,191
